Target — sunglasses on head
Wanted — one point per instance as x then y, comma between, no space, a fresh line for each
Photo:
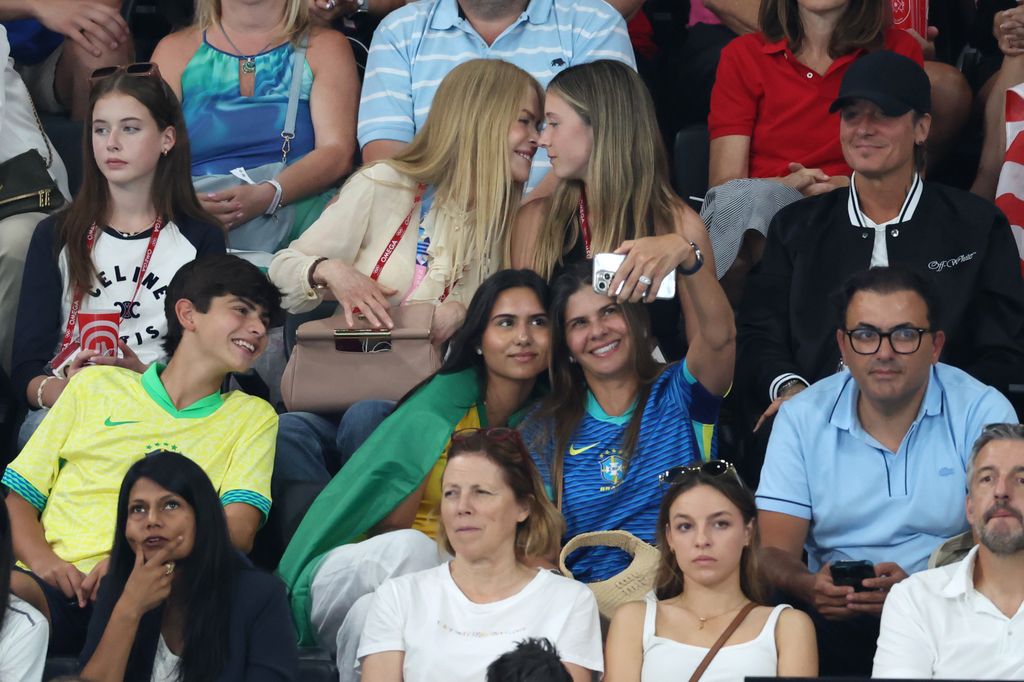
140,69
716,467
495,433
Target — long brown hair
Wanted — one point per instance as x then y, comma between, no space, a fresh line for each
862,26
564,406
628,192
172,193
669,582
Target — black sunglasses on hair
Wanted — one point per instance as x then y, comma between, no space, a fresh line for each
716,467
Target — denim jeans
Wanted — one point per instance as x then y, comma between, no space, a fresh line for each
313,448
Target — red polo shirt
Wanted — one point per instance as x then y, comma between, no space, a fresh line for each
763,92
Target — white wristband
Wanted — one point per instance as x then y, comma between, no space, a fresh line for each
39,393
275,203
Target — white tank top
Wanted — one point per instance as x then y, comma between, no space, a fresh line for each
668,660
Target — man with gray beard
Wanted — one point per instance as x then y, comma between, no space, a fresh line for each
966,620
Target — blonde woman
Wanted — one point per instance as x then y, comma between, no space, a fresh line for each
602,138
232,71
448,200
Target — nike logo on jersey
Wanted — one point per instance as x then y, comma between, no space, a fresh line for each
111,422
573,450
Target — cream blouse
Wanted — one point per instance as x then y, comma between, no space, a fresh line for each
358,227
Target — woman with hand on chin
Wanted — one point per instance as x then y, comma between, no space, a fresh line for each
613,194
615,419
450,622
179,602
708,577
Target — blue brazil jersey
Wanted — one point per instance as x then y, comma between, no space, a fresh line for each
604,491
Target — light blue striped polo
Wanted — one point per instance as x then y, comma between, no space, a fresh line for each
417,45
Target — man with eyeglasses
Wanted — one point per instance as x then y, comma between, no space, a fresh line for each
871,463
966,620
887,216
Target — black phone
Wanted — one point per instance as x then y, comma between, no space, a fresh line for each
852,573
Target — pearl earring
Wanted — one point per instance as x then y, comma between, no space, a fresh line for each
163,152
479,350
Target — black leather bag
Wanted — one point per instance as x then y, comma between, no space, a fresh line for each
26,186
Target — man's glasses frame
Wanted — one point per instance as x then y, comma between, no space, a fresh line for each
868,340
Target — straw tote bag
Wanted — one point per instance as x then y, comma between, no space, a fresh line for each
629,585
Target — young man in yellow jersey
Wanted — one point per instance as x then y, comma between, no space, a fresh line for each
65,482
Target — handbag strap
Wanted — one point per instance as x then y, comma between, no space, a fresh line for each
721,640
288,134
46,140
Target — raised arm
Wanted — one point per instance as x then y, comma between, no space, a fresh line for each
710,325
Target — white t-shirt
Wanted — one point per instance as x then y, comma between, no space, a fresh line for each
935,625
23,640
165,663
445,636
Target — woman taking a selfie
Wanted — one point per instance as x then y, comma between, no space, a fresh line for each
615,418
179,602
707,582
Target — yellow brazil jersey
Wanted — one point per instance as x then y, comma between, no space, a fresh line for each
107,419
426,513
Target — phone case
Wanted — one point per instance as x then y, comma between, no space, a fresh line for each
605,265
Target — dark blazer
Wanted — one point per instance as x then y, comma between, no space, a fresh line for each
960,242
262,644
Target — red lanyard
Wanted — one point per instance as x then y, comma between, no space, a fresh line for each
76,302
584,224
397,237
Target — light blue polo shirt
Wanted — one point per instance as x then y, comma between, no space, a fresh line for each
416,46
863,501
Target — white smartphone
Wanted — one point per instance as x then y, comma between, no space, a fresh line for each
605,265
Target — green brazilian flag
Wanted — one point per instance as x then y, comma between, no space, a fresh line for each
386,469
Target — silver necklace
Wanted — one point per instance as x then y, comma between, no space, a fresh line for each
248,62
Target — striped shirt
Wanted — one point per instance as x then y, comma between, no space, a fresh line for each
600,491
416,46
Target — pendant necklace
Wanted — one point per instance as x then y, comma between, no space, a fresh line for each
248,63
703,620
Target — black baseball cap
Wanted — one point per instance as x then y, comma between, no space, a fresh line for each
895,83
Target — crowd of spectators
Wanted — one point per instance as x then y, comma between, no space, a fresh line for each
798,405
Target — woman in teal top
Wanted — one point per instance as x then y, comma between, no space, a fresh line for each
232,70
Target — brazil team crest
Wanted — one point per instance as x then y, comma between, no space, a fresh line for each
612,468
